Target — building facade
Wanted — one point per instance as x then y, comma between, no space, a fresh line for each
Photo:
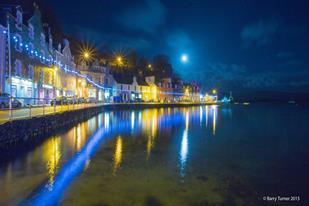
66,84
3,50
29,73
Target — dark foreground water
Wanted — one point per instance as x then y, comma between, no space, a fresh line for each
208,155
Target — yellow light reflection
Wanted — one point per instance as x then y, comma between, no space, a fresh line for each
150,145
154,127
51,156
187,120
118,154
78,138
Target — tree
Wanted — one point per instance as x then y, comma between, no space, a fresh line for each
162,66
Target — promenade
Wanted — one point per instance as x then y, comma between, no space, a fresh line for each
28,112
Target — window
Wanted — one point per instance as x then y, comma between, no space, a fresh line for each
18,43
29,92
50,77
14,90
30,72
19,19
18,68
31,31
42,76
42,39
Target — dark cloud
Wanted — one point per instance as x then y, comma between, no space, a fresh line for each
178,40
147,16
261,81
212,34
259,33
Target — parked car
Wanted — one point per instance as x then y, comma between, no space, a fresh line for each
59,101
91,100
72,100
81,100
5,101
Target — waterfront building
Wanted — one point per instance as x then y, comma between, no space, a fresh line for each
29,60
88,90
65,83
108,83
133,89
165,90
99,74
3,50
123,88
178,90
151,93
195,95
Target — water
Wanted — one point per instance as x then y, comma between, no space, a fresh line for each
204,155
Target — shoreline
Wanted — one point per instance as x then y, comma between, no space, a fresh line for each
35,129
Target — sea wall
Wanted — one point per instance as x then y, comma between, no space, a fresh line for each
27,131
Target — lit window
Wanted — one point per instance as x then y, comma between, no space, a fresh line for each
31,31
29,92
18,68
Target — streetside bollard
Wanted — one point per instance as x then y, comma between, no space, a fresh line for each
30,110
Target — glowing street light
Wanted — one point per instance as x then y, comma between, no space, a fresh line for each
86,55
119,59
214,91
184,58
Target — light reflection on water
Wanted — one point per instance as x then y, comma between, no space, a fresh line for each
175,142
118,154
52,155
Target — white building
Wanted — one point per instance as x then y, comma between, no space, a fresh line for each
3,35
65,83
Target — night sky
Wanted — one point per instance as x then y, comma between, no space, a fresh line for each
231,45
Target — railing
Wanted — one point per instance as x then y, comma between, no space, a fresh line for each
31,107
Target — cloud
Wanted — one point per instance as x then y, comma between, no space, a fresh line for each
234,76
112,39
261,81
179,41
146,17
260,33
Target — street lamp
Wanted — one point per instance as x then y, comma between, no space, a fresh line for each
214,91
119,59
86,55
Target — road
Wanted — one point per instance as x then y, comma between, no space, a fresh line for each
39,111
